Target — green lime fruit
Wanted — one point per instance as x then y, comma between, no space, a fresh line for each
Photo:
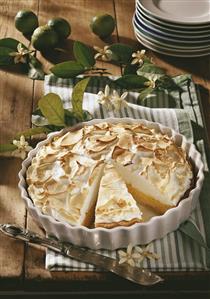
26,21
44,38
61,26
102,25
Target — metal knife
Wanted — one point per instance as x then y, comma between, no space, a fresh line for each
134,274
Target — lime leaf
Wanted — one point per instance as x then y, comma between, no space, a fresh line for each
9,43
7,147
83,54
131,81
69,117
35,70
130,69
52,108
190,229
150,68
67,69
32,132
122,53
166,82
77,97
5,58
144,93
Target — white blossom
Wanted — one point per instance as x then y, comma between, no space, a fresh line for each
136,255
119,101
138,57
20,55
112,101
150,83
22,148
128,256
104,54
152,78
104,98
145,252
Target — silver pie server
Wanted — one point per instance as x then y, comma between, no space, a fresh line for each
134,274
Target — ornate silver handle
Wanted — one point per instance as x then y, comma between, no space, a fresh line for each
134,274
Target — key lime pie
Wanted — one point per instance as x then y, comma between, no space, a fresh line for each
100,175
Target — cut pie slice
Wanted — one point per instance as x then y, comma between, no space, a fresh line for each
115,205
158,183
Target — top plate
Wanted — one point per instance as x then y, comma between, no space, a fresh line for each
179,11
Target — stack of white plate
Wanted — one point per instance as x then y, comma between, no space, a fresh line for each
174,27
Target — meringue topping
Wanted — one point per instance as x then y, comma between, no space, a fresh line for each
64,176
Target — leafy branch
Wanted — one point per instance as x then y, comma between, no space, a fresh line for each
51,116
14,52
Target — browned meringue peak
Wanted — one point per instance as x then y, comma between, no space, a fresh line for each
36,193
122,155
102,126
170,154
52,186
69,139
107,138
142,129
125,140
39,173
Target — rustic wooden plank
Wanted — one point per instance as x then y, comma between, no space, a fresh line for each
15,109
79,14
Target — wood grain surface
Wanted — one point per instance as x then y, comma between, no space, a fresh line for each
19,95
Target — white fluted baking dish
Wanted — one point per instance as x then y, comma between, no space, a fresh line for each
139,233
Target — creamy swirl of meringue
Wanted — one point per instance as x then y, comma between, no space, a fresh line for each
64,176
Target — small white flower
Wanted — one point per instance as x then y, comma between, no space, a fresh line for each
150,83
138,57
112,101
128,256
135,255
104,54
119,101
20,55
152,80
145,252
104,98
22,148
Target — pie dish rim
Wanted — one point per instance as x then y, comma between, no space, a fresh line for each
99,237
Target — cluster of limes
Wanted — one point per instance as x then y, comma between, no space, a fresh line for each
44,37
47,37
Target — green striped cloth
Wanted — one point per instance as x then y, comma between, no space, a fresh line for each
179,111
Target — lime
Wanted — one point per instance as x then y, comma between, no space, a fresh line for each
61,26
26,21
44,38
102,25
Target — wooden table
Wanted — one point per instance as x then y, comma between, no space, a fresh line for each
22,267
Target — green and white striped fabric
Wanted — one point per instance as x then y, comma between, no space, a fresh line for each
179,111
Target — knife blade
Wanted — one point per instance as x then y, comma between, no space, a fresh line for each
134,274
